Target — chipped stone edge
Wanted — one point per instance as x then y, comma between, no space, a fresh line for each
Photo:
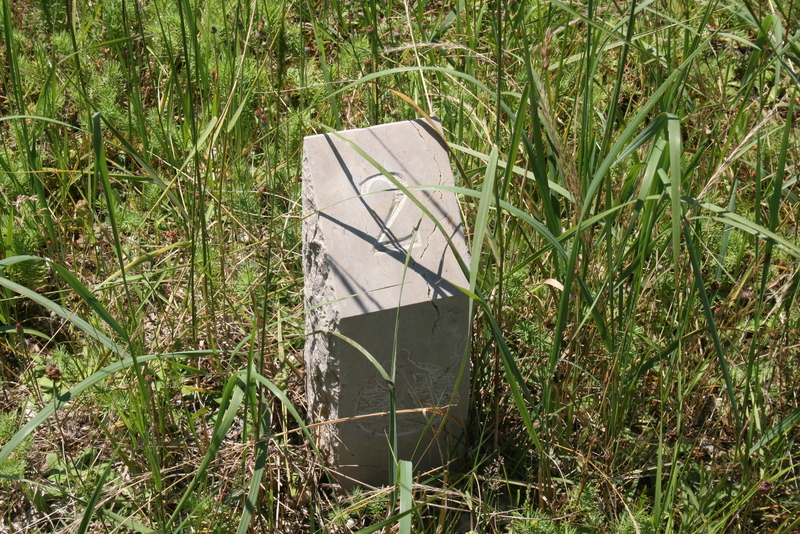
322,315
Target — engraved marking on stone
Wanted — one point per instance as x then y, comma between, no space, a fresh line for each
386,240
418,385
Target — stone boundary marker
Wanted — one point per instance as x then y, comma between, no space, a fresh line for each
360,282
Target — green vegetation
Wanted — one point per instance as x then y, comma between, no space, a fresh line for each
635,351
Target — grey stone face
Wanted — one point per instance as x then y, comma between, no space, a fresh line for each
379,272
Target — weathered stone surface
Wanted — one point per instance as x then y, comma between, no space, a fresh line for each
361,283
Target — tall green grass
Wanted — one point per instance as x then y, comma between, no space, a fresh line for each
627,174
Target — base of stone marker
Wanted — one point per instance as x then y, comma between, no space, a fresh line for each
431,397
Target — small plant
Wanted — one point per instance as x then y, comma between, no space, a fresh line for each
82,472
539,526
21,237
639,523
15,466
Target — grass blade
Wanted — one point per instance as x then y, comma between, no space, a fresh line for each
43,301
262,451
781,429
712,325
406,496
676,174
482,219
98,491
232,397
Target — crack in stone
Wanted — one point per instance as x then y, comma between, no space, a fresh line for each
426,144
438,316
430,194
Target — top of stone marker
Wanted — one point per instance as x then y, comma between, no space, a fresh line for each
367,226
